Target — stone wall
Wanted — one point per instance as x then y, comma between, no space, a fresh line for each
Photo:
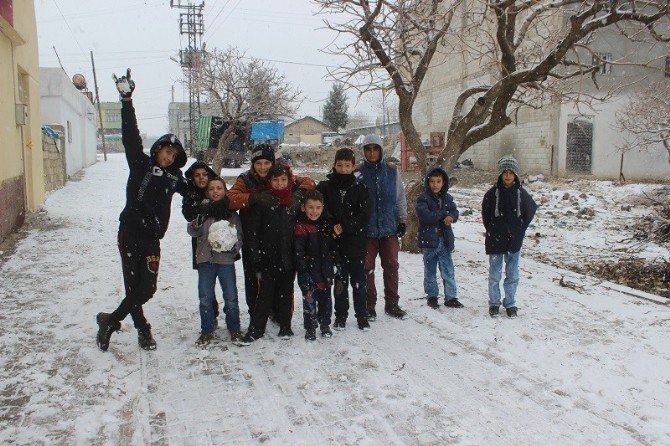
54,162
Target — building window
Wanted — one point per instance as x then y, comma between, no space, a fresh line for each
69,131
601,59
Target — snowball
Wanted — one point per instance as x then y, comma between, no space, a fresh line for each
222,236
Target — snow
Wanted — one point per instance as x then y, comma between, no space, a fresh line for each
222,236
572,369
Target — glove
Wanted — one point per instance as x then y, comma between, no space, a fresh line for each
125,85
265,199
199,220
305,282
402,228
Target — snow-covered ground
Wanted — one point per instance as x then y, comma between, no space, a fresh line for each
574,368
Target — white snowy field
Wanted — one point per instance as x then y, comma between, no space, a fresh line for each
574,368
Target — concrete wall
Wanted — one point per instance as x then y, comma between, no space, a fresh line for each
54,161
64,105
21,179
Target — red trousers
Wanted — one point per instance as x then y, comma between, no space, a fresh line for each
387,248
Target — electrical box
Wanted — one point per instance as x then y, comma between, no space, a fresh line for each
21,114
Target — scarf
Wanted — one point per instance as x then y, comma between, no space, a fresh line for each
342,181
284,195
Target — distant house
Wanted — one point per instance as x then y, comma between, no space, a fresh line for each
111,122
306,131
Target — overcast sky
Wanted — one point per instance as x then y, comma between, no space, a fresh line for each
143,35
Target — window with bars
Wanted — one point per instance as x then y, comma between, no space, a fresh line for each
601,59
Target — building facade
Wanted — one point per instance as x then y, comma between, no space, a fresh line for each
306,130
111,122
21,159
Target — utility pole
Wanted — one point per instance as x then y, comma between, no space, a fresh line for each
191,24
97,100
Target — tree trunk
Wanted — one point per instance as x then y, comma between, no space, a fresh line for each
227,137
409,240
450,153
412,138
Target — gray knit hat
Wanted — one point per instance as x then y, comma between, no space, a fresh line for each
508,163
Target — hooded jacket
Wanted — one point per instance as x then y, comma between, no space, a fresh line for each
314,249
347,201
150,187
194,196
506,214
388,204
431,209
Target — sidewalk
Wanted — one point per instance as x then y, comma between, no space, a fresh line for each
572,369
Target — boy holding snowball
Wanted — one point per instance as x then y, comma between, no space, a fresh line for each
219,239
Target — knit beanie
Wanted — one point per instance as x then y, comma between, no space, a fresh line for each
263,151
508,163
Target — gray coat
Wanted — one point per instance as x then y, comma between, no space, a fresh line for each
204,251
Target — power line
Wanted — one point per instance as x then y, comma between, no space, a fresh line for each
68,26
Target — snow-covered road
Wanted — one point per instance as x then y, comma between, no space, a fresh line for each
574,368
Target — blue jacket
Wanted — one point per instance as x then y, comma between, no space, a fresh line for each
506,213
431,209
388,204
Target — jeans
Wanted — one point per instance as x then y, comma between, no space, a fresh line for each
432,257
387,248
511,278
207,274
345,271
317,307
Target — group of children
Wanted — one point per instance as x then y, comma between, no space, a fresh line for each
288,226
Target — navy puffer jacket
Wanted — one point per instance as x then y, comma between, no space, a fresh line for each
431,209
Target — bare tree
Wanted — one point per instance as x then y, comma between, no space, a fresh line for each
645,120
244,90
524,53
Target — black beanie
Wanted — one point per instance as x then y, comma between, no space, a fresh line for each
263,151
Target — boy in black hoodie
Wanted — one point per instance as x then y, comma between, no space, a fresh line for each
348,204
151,183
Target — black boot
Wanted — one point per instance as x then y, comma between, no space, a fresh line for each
145,339
395,311
285,332
494,311
106,326
432,302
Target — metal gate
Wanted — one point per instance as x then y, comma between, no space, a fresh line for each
579,145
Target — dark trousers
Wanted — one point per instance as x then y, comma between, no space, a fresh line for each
250,280
387,248
317,308
275,292
350,270
140,259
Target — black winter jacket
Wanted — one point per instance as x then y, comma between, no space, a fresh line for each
269,236
506,213
150,187
314,249
347,203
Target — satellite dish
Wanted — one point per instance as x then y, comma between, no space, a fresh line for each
79,81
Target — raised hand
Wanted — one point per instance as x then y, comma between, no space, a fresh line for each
124,84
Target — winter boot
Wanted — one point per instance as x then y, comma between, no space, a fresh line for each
394,310
372,315
363,323
106,326
326,332
340,323
285,332
432,302
310,335
453,303
511,312
144,338
494,311
247,339
204,339
235,336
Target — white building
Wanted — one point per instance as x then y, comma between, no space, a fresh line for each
62,104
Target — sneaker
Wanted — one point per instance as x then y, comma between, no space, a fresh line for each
235,336
494,311
511,312
310,335
326,332
247,339
394,310
106,326
285,332
204,339
372,315
453,303
340,323
432,302
363,323
144,338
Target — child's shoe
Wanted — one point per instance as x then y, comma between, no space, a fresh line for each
144,338
453,303
106,326
394,310
310,335
432,302
204,339
326,332
372,315
363,323
247,339
285,332
511,312
235,336
340,323
494,311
